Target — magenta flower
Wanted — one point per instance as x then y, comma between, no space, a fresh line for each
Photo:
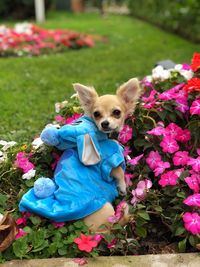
60,119
192,222
119,212
193,200
153,159
171,93
184,136
161,167
20,233
169,145
173,130
23,163
192,182
180,158
127,151
168,178
141,190
125,134
21,220
194,163
128,177
74,117
150,101
112,244
157,131
195,107
134,161
182,105
58,224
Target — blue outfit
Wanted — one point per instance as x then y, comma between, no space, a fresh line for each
82,179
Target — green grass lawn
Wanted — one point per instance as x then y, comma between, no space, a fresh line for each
29,87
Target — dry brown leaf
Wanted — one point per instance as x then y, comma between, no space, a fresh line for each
8,231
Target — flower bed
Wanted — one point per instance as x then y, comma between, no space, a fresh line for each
29,39
162,150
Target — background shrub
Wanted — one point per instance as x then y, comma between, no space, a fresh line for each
181,16
19,9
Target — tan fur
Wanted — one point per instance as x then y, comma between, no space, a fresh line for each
124,101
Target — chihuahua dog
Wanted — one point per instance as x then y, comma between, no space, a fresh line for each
109,113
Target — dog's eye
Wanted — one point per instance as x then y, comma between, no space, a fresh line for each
97,114
116,112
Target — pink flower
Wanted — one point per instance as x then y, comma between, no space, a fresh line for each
173,130
153,159
119,212
98,237
141,190
193,200
134,161
182,105
171,93
23,163
60,119
150,100
195,107
80,261
192,182
86,242
127,151
169,145
160,168
125,134
168,178
180,158
112,244
58,224
157,131
20,233
74,117
192,222
21,220
194,163
186,66
184,136
128,177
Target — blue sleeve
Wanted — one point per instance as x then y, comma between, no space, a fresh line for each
112,161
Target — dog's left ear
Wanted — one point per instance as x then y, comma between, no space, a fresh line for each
129,94
87,96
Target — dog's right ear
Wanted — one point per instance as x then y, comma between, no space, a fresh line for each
87,96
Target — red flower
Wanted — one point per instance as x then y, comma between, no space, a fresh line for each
86,243
192,85
195,62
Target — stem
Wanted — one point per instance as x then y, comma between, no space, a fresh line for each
150,118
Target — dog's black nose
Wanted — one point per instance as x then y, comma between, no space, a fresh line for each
105,124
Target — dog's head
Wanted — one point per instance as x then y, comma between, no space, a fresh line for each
109,111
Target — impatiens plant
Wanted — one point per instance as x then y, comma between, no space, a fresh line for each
162,151
31,40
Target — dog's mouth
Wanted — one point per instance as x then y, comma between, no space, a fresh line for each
109,130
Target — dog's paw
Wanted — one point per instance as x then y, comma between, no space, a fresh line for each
122,189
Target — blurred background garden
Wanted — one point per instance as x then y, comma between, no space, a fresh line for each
129,38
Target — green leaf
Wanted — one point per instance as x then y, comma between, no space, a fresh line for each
144,215
194,240
141,231
20,247
63,230
181,195
158,208
3,199
37,238
182,245
79,224
35,220
179,231
62,251
52,248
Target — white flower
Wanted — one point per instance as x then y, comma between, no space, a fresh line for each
37,143
59,106
148,78
55,125
24,27
6,144
158,73
30,174
187,74
3,157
